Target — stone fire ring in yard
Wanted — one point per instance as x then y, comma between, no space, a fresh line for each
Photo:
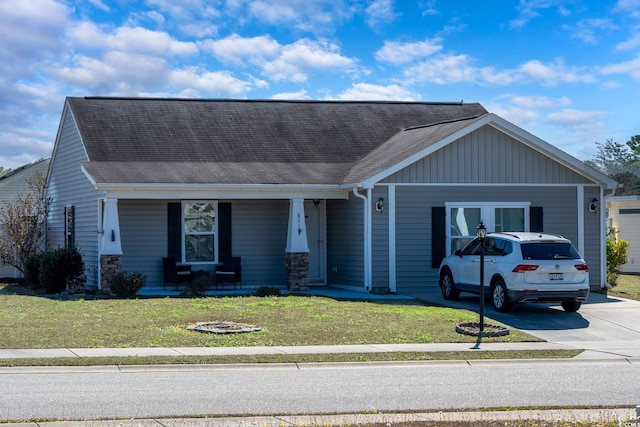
473,329
223,327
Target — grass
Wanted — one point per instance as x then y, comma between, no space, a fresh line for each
628,287
28,321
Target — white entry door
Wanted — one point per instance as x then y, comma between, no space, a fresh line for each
315,214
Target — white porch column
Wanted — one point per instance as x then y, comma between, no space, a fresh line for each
297,230
111,243
110,247
297,250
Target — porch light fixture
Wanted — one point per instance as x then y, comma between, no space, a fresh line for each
482,234
380,205
593,205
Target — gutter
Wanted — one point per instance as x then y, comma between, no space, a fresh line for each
366,237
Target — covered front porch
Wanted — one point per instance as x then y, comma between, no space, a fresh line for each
281,241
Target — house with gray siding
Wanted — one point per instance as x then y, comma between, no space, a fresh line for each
13,185
370,195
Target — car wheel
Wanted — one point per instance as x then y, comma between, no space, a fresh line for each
499,296
449,291
570,306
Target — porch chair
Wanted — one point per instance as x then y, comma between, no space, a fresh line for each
230,271
174,273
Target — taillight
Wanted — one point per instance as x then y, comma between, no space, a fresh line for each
521,268
582,267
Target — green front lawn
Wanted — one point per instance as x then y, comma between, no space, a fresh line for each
628,287
28,321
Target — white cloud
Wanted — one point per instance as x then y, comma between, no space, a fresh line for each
630,44
443,69
129,39
301,94
309,15
589,30
372,92
380,12
530,9
115,73
575,119
631,68
535,71
400,53
30,30
297,60
207,84
236,49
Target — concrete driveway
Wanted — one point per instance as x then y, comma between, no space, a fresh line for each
603,325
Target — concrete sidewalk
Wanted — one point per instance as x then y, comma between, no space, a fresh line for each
236,351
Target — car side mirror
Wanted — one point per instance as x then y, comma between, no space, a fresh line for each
458,252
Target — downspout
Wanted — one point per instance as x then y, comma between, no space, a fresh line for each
367,237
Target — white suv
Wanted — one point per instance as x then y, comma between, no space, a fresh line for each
519,267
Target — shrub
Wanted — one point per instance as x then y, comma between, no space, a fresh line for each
32,270
266,291
127,285
616,256
61,270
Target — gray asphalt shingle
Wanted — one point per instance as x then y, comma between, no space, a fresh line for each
185,141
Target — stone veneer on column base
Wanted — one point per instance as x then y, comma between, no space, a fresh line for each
110,265
297,264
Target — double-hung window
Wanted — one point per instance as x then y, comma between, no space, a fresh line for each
199,231
463,220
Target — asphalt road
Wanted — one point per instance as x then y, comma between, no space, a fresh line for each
170,391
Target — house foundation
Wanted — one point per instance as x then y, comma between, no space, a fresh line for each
297,264
110,265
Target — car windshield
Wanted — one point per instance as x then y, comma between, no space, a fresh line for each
549,250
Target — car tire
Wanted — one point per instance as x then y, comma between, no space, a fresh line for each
571,306
447,286
500,297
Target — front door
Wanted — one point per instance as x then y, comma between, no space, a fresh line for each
314,212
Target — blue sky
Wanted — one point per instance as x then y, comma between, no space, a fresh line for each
567,71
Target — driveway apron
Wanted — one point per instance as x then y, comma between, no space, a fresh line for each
603,325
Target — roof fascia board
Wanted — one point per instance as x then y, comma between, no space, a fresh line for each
544,147
65,110
212,191
512,130
372,181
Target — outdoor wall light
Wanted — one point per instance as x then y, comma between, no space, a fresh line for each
113,235
593,205
380,205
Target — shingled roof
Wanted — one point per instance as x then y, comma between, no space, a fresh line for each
195,141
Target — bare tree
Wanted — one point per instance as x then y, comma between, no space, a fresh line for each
23,223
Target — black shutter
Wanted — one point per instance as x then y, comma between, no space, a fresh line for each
438,235
174,230
536,219
224,230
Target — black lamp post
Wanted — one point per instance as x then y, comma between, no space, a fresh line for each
482,234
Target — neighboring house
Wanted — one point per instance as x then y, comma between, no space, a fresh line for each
308,193
12,185
624,216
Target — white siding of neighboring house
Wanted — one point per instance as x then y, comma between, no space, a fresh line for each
68,185
10,188
628,228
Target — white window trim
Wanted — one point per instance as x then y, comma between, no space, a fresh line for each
487,215
183,233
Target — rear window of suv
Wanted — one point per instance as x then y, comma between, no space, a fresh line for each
549,250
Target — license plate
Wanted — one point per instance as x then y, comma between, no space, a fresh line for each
555,276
